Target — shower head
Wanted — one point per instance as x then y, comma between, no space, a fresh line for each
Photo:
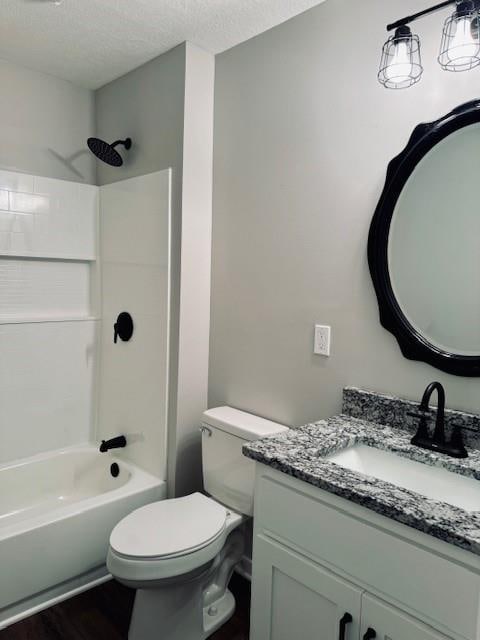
107,152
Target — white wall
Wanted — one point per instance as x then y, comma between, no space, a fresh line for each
48,334
303,135
135,246
190,378
45,123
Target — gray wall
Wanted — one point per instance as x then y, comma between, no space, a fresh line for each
45,123
146,105
303,134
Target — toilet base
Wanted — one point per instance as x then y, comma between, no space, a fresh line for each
192,606
177,614
218,613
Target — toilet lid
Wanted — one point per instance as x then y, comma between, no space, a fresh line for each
169,527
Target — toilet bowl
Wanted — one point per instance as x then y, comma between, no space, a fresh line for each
180,553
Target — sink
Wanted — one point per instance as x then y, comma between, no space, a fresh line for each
432,482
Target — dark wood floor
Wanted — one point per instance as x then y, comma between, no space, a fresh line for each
103,613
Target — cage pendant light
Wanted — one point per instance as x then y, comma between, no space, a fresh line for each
400,64
460,45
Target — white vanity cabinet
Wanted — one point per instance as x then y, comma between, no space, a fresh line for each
294,598
317,557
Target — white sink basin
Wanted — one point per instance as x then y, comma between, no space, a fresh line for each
432,482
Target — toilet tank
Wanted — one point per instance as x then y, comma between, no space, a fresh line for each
229,476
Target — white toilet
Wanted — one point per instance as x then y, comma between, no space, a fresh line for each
180,553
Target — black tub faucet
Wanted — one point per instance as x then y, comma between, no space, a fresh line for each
437,441
114,443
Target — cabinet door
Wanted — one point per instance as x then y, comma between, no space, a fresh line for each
389,623
293,597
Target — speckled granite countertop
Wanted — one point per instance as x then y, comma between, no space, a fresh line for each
301,453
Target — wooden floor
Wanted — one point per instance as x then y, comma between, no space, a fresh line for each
103,613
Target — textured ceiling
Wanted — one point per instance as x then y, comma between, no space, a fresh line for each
91,42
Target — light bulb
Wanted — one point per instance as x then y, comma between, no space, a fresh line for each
400,69
400,64
463,45
460,46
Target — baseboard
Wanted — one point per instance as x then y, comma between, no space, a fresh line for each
49,597
244,568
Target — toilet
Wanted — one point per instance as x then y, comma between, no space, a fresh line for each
180,553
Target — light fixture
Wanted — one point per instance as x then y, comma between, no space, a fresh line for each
460,46
400,64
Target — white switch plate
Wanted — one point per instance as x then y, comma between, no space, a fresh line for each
321,343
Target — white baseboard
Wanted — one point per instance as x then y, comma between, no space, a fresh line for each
244,568
48,598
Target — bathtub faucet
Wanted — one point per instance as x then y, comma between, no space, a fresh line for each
113,443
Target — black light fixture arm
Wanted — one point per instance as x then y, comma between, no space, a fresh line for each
420,14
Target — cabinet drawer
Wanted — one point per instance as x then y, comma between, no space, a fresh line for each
444,593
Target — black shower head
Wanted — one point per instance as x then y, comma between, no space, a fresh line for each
107,152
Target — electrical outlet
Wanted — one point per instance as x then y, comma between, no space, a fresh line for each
321,343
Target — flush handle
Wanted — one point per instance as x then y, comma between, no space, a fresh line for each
344,620
205,430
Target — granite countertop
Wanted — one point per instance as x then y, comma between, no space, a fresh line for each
302,452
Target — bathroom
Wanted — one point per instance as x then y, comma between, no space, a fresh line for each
213,267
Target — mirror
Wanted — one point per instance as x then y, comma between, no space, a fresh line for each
424,245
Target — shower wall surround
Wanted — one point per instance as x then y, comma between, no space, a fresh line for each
135,265
62,379
49,306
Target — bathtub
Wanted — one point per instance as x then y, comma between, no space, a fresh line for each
56,514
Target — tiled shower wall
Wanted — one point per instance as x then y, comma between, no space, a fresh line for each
48,313
62,379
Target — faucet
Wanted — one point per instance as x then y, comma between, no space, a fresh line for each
437,442
114,443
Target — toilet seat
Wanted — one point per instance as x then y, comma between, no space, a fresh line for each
169,538
169,528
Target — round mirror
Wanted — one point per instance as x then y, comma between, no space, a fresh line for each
424,246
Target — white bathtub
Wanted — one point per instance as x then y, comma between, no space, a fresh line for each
56,514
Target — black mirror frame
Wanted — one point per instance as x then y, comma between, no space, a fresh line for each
413,344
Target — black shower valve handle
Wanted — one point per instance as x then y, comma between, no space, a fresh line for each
123,327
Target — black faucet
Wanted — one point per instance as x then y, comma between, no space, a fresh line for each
113,443
437,442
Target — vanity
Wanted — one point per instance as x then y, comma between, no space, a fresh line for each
342,554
